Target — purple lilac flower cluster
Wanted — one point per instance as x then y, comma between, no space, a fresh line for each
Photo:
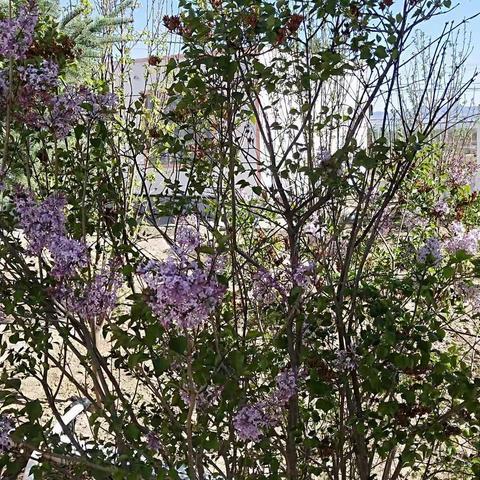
41,108
182,293
39,78
187,240
269,287
65,112
463,240
153,442
44,226
40,221
6,427
16,34
251,420
346,361
431,250
99,103
98,298
205,398
67,108
441,207
265,287
303,275
286,386
461,169
68,255
36,83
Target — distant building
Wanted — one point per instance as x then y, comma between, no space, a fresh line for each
149,83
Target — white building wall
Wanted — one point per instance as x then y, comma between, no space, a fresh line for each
339,95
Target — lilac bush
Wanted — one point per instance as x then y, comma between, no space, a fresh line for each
317,321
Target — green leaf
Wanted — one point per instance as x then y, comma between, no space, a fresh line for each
132,432
13,383
381,52
178,344
152,333
237,360
160,364
34,410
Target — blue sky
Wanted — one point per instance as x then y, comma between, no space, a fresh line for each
463,9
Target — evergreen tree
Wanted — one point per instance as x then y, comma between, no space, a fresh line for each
91,33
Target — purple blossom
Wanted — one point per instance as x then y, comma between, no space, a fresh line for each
463,240
441,207
187,240
286,386
44,226
458,229
431,250
153,441
16,34
65,112
303,275
42,109
68,255
40,221
461,169
265,287
34,92
182,293
251,420
39,79
68,108
97,299
6,427
98,103
346,361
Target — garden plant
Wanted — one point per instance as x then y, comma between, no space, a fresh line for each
314,310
